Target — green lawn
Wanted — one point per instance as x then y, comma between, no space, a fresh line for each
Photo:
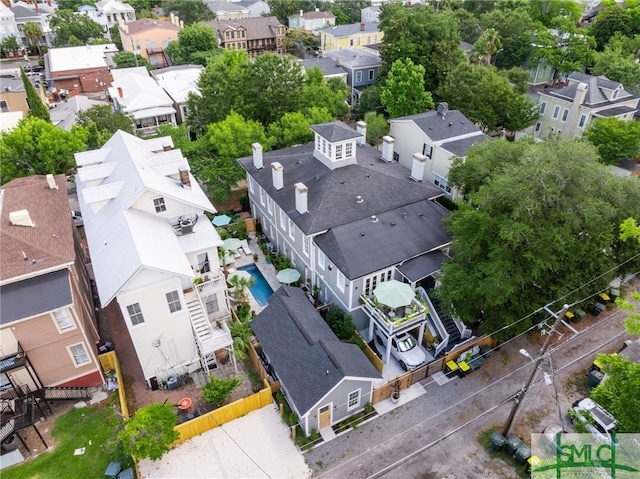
94,428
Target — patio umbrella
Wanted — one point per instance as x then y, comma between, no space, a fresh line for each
221,220
232,244
240,275
394,294
288,275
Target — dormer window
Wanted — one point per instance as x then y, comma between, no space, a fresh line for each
615,93
338,152
159,204
348,150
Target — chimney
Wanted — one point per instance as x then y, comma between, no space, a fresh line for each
301,12
51,182
172,18
120,94
417,168
301,198
181,23
49,2
362,27
184,178
21,218
277,175
443,109
361,127
257,156
37,6
387,148
166,147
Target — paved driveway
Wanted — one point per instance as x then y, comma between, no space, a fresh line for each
254,446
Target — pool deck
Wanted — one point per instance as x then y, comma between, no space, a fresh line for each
267,270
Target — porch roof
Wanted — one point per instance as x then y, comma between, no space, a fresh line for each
422,266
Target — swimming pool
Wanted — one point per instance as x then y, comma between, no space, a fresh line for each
260,289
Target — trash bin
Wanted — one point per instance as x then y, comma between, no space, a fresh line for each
533,462
497,441
579,314
523,453
463,369
172,383
614,293
452,368
512,444
598,308
594,378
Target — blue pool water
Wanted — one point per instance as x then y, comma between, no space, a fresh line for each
260,289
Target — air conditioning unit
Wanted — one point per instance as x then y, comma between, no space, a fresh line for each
186,226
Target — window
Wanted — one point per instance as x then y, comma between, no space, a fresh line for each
565,114
358,77
583,120
261,196
371,75
203,262
556,111
427,150
212,304
270,205
321,258
543,107
318,142
135,314
173,300
251,184
340,280
354,400
441,183
283,220
159,205
348,150
305,245
338,152
396,156
292,229
79,354
5,383
537,128
63,320
3,106
324,146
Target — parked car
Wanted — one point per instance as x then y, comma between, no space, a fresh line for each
595,419
550,434
77,218
405,349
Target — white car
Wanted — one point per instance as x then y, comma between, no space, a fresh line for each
405,349
595,418
77,218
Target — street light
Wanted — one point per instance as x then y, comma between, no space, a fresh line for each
520,396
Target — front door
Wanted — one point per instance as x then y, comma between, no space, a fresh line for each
324,417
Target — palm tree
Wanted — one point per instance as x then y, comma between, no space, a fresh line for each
240,284
486,46
33,32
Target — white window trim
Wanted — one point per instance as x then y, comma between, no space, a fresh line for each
283,220
583,120
68,314
359,77
292,229
357,404
161,205
73,358
543,107
340,280
261,196
129,315
556,112
306,244
169,303
250,184
565,115
321,258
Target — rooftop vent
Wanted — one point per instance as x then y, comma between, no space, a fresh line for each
443,109
374,219
21,218
51,182
359,199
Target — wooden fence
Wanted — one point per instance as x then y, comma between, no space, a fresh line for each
252,352
372,356
481,341
405,380
109,362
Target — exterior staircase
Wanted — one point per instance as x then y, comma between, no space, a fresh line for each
449,324
200,324
65,393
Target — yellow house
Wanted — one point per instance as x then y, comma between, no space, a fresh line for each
356,35
149,38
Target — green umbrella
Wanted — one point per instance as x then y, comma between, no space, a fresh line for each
231,244
242,275
394,294
288,276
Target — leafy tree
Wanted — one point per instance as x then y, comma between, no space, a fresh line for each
429,40
214,162
130,59
468,25
328,94
377,127
283,9
196,44
619,64
150,432
566,51
532,223
350,9
369,101
403,91
275,87
488,98
189,11
300,39
222,89
52,153
114,33
179,135
340,324
72,29
9,43
36,107
555,13
615,139
33,32
293,127
620,392
610,21
107,123
485,47
218,390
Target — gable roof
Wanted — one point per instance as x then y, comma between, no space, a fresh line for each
306,355
372,244
438,127
145,24
140,92
352,29
328,66
47,245
332,193
123,240
595,96
178,81
313,15
257,28
222,6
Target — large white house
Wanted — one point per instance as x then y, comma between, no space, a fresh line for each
349,218
149,239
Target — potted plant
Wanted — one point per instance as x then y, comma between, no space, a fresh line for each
255,257
268,259
395,392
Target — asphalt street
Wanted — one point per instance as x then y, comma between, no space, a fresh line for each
435,436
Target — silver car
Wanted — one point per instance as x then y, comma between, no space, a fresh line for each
405,349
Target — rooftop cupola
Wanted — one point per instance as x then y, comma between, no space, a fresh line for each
335,144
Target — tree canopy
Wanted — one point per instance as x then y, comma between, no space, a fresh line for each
72,29
130,59
51,153
33,32
189,11
541,222
150,433
293,127
403,91
196,45
106,121
615,139
618,62
36,107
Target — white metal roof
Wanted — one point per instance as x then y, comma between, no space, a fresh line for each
140,92
178,83
77,58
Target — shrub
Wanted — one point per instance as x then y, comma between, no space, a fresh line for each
150,432
340,324
218,390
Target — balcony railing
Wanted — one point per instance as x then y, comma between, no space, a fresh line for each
436,322
389,322
211,286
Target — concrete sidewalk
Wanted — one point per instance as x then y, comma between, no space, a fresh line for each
254,446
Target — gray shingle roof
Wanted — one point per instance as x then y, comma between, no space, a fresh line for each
327,65
354,58
439,128
332,193
347,30
595,95
422,266
461,147
305,354
615,111
366,246
257,28
335,131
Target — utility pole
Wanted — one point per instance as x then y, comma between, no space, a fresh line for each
520,397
